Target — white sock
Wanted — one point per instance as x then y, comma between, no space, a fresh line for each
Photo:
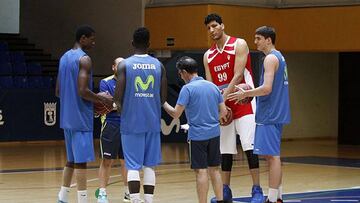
102,190
64,194
82,196
280,192
148,198
135,198
272,196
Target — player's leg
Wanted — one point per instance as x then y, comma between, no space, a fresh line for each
109,147
267,143
152,159
63,195
133,146
83,148
227,150
198,160
123,172
245,126
213,167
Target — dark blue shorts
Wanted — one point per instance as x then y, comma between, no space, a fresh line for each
205,153
110,141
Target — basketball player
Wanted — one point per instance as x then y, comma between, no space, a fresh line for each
202,102
141,89
227,63
74,87
110,141
273,108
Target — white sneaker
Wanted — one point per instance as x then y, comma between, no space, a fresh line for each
102,198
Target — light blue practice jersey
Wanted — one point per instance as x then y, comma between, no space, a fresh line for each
141,108
275,107
75,112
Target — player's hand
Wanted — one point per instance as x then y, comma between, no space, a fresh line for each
237,96
107,100
223,119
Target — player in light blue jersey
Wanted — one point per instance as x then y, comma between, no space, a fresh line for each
202,102
140,92
74,88
273,108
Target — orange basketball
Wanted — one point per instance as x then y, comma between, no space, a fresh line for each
229,118
245,87
99,107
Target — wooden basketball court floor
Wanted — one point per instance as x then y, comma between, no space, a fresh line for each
31,172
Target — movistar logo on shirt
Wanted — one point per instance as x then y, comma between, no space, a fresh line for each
144,86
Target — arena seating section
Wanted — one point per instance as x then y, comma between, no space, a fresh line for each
22,65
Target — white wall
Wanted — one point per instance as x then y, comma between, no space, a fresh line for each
9,16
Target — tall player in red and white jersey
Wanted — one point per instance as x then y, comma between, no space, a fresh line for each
227,63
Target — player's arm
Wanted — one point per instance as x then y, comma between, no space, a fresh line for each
241,55
120,85
163,90
174,112
206,67
271,64
83,81
223,111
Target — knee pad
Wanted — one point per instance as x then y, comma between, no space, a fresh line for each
226,162
149,176
70,165
80,165
133,175
253,159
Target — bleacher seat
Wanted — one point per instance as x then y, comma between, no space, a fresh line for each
5,69
49,82
35,82
19,69
6,82
17,57
4,46
34,69
20,82
4,57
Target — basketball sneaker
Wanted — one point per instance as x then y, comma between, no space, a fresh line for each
102,198
126,197
227,195
257,194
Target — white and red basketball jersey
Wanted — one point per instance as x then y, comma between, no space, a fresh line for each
221,65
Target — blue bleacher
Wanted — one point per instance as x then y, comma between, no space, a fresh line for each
17,57
20,82
19,68
34,69
4,46
49,82
6,82
4,57
5,69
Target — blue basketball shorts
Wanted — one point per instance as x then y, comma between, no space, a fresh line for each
141,149
79,146
268,139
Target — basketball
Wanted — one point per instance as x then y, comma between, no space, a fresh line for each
99,107
245,87
229,118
